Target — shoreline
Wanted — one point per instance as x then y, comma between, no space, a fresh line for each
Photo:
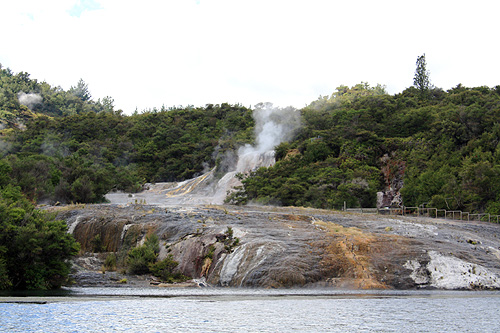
216,293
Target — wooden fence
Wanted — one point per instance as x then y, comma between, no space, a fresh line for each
428,212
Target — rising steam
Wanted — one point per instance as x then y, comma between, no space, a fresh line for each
273,126
30,100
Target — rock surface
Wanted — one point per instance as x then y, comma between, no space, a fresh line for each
291,247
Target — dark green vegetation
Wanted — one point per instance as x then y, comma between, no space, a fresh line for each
77,150
143,259
34,248
421,80
444,145
61,146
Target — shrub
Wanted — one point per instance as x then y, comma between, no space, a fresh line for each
110,262
97,244
139,258
34,248
165,270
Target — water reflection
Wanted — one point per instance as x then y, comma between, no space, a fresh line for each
256,310
154,292
62,292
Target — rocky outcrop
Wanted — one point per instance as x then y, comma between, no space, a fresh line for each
393,171
448,272
292,247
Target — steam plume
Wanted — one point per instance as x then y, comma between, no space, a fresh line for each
30,100
273,126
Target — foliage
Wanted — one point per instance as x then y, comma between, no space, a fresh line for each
81,91
143,260
421,79
97,245
141,257
229,241
62,146
164,270
346,96
110,262
67,148
210,253
178,144
34,248
445,146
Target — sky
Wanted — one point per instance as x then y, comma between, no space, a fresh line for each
154,53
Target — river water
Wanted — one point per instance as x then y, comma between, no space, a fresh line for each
251,310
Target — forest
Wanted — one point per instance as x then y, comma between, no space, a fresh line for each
64,147
444,145
435,147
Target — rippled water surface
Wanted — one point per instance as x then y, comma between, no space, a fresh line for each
231,310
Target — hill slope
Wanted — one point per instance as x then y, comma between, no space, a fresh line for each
443,151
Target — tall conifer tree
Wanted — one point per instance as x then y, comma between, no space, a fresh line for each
421,79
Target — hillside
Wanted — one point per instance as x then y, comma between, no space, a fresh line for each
68,148
442,150
435,147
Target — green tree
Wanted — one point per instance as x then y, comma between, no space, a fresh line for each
141,257
164,270
421,79
81,91
34,247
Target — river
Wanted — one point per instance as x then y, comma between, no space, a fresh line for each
250,310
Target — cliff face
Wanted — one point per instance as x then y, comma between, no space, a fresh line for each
285,247
393,171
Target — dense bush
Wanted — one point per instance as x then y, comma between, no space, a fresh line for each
34,247
445,145
143,260
164,270
62,146
67,148
140,257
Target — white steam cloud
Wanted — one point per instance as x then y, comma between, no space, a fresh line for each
273,126
30,100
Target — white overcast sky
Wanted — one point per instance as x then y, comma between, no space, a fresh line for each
150,53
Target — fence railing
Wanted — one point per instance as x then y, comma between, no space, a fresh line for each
428,212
